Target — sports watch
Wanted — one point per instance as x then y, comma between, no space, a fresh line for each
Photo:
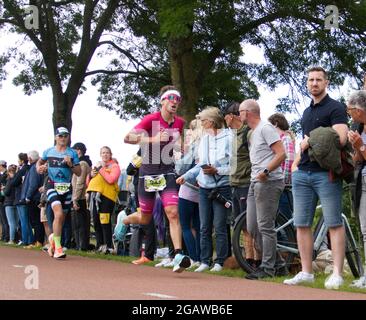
266,171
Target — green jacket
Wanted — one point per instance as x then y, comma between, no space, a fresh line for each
325,148
241,174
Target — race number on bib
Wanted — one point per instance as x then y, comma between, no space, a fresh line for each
62,188
154,183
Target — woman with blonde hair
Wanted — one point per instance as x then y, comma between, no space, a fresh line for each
103,190
212,174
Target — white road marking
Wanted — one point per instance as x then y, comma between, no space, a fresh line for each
159,295
18,266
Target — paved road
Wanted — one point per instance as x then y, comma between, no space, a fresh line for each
86,278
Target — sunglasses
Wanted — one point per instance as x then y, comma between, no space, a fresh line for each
173,97
63,135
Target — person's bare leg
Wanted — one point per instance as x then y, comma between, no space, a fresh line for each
175,227
305,244
47,229
337,239
57,224
58,220
138,218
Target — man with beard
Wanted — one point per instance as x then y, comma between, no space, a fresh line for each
158,134
311,183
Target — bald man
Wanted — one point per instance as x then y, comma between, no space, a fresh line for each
266,185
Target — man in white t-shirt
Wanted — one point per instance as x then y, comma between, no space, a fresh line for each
266,185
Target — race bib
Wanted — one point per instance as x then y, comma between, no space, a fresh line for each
62,187
154,183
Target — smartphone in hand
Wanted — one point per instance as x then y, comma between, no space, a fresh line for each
205,166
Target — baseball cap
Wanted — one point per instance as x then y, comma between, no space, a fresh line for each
80,146
3,163
61,131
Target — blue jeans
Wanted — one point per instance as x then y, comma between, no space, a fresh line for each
25,225
213,214
13,219
309,187
189,218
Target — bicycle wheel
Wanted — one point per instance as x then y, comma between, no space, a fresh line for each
286,239
353,255
238,243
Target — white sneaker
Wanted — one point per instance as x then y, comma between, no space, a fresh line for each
359,283
202,267
194,264
170,264
217,268
301,277
333,282
164,262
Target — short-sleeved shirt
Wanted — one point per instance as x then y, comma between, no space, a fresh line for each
261,154
158,158
326,113
58,170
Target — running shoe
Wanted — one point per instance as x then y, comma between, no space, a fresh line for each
142,260
333,282
202,267
120,229
59,253
359,283
217,268
301,277
51,248
181,262
164,262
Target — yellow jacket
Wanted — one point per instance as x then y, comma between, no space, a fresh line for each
106,180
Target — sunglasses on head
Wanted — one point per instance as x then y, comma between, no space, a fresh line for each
173,97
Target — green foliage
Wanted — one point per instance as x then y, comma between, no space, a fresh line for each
176,17
291,35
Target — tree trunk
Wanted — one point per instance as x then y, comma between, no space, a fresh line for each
62,111
183,75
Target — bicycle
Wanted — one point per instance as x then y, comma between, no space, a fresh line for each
287,244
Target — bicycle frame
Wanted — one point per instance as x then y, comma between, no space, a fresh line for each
319,236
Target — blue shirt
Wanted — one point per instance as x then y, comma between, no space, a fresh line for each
58,170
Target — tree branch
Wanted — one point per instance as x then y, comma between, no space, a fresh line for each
13,22
62,3
125,52
217,48
136,73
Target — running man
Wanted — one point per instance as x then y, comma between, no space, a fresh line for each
158,134
61,162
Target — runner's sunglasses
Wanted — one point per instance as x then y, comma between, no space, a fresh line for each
173,97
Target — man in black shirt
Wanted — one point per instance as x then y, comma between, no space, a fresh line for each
311,183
